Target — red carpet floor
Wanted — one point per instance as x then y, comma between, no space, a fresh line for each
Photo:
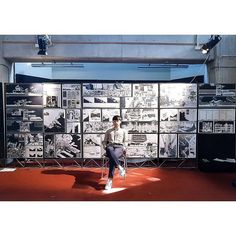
142,184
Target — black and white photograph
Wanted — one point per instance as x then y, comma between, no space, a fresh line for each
52,101
24,126
187,127
142,146
71,95
93,89
34,89
205,126
52,95
54,120
168,145
183,95
24,114
96,127
169,127
107,114
139,102
49,145
68,145
145,90
73,121
147,114
178,120
217,95
34,146
24,120
92,115
217,89
101,102
73,127
178,127
224,127
216,126
216,114
217,101
187,145
216,120
15,145
73,115
92,144
24,101
140,126
178,114
187,114
119,89
106,90
168,114
25,145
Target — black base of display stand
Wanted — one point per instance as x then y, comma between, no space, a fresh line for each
216,166
234,183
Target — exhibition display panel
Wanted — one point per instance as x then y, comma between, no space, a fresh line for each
216,126
165,121
2,142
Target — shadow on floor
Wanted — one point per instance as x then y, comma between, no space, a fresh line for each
83,179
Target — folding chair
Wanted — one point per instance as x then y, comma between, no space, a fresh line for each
105,161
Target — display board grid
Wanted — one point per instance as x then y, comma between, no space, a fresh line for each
142,116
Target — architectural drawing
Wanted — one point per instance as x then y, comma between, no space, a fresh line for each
34,89
106,89
92,114
183,95
93,145
67,146
54,120
71,95
168,145
101,102
139,114
142,146
187,145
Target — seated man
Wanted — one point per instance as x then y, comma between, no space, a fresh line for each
115,142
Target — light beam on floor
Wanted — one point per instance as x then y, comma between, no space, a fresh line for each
113,190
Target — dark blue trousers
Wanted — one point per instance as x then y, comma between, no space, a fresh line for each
114,152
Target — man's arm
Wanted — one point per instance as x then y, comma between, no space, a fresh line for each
105,140
125,139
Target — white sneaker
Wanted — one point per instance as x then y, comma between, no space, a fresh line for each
122,172
108,184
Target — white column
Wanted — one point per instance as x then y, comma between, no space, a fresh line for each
5,66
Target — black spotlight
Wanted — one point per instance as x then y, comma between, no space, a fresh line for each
43,42
211,44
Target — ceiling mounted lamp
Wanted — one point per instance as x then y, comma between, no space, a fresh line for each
210,44
58,64
162,66
43,41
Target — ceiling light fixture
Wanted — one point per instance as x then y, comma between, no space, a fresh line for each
57,64
210,44
162,66
43,41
